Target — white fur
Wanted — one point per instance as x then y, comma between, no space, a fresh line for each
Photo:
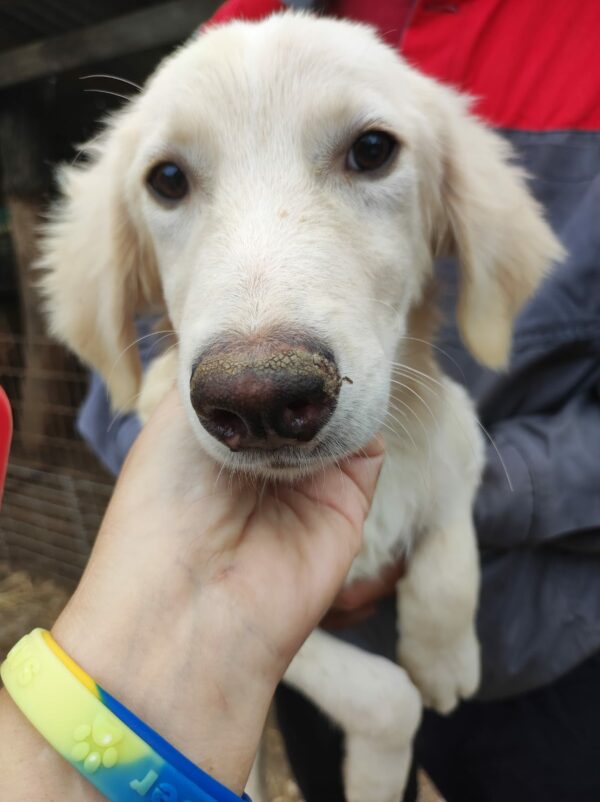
276,231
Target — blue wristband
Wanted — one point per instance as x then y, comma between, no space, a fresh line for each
212,790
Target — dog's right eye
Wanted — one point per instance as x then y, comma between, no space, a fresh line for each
168,181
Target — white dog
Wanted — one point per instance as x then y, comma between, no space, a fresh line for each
281,189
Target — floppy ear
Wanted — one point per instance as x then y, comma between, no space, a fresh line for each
493,225
97,272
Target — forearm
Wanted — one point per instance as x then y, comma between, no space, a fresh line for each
163,653
173,681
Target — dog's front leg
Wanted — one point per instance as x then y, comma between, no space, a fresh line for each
375,704
437,602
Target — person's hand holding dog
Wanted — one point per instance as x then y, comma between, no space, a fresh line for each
200,589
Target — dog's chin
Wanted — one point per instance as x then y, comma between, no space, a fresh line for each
287,464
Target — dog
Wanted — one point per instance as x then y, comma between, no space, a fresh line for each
282,190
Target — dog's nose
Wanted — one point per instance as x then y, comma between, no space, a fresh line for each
266,393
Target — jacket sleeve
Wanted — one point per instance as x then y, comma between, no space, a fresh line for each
110,435
553,462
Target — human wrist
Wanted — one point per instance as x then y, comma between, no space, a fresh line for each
189,681
154,622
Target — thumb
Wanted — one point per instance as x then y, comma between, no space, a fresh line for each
364,469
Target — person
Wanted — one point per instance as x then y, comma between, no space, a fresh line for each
532,730
198,593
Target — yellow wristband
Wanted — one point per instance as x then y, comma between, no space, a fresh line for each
66,709
72,713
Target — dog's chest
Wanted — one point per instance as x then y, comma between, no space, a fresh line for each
397,516
423,485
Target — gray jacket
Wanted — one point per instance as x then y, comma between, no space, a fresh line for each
540,545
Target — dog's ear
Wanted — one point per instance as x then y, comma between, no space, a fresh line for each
488,219
96,269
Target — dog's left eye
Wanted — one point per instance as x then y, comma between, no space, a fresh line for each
371,151
168,181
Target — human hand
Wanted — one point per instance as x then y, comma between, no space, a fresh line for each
202,586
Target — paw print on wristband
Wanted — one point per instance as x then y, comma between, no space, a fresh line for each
96,743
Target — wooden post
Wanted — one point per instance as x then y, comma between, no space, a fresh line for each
26,181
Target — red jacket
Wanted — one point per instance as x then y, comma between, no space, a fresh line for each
471,44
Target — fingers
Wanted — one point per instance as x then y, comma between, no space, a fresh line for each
375,447
357,602
347,488
366,591
364,468
336,619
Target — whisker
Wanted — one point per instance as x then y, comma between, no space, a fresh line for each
87,146
435,381
135,342
393,403
419,421
168,350
404,429
336,453
221,469
275,486
436,348
418,339
323,466
112,78
120,413
487,434
411,378
362,452
261,493
385,303
424,479
108,92
313,481
418,395
230,475
498,454
402,366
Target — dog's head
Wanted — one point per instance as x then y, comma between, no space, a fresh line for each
282,189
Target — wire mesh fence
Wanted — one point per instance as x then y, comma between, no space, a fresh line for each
56,490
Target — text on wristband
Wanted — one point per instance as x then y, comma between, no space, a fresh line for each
163,792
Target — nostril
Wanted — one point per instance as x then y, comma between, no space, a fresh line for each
302,419
226,426
227,421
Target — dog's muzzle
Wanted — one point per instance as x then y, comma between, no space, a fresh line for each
266,392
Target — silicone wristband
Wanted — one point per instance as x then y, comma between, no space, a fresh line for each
119,754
